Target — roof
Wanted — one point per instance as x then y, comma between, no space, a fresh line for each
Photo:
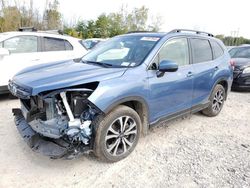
148,34
241,46
6,35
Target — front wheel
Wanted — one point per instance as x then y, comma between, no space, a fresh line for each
217,99
117,134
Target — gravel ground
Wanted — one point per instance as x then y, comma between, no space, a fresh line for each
197,151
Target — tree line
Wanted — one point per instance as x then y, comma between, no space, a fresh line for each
109,25
14,15
23,14
233,41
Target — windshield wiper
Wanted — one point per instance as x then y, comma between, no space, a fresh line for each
97,63
100,63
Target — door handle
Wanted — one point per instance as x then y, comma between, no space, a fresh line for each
189,74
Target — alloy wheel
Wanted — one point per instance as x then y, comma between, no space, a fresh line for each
121,135
218,101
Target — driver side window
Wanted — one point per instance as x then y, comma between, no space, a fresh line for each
174,50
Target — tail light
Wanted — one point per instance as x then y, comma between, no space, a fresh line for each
232,63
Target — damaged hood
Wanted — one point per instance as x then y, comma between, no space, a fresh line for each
63,74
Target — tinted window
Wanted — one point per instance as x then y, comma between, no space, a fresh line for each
53,44
233,51
89,44
175,50
21,44
242,53
218,51
68,46
201,50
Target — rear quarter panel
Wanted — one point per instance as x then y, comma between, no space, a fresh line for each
225,71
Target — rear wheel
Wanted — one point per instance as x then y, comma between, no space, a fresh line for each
117,134
217,99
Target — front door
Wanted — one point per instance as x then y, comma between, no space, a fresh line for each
23,53
172,92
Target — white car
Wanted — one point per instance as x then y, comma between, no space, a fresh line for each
19,50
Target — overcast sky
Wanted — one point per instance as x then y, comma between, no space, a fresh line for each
215,16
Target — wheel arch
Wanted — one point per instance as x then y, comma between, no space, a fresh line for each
224,83
139,105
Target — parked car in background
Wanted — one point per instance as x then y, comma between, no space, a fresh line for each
19,50
91,43
241,57
105,102
229,47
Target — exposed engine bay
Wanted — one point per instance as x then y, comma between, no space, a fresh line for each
63,116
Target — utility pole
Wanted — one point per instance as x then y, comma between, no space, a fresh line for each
45,21
31,13
237,39
232,40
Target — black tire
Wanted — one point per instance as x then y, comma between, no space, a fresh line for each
215,105
108,127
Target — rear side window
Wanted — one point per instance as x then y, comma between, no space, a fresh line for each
68,46
55,44
21,44
201,50
218,51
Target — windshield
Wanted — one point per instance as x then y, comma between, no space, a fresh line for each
240,53
122,51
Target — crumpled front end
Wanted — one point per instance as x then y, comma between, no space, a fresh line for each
58,123
53,148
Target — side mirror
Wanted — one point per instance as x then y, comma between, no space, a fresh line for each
4,52
166,66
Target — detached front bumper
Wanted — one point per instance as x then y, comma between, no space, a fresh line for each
54,148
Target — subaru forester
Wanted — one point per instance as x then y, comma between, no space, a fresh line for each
115,93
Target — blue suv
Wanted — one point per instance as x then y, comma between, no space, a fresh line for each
105,101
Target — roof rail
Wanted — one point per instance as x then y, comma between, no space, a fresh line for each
60,32
189,30
27,29
33,29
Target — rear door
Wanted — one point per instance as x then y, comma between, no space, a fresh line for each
171,93
204,69
55,49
